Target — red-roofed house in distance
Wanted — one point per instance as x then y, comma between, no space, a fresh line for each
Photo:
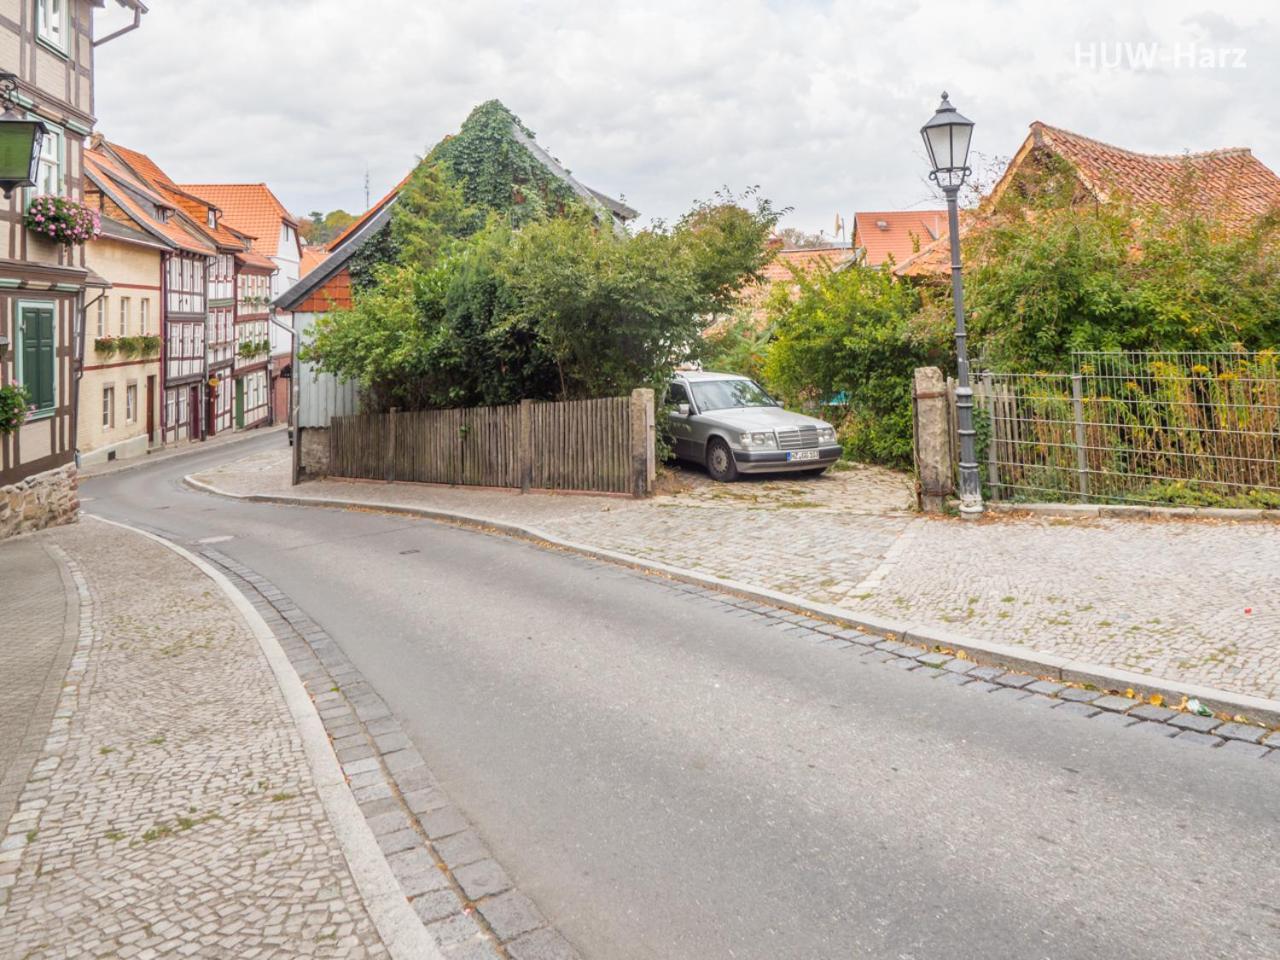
787,263
1229,185
253,209
894,235
127,187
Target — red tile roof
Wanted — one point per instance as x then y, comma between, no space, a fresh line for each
899,234
1230,185
249,207
312,256
115,181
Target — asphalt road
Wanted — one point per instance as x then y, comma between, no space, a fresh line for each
670,780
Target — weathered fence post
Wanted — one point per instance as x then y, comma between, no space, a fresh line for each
932,439
1082,453
642,442
993,436
524,445
390,463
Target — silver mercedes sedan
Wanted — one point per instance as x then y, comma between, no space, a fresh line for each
732,426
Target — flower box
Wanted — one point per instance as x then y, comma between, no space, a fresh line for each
63,220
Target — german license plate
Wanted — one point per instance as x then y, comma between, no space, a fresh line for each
802,455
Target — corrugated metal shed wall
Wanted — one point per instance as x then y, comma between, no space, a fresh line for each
321,396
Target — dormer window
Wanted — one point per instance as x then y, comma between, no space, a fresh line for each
162,214
213,220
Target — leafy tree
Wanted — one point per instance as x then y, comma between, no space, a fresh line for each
728,244
844,343
793,238
320,228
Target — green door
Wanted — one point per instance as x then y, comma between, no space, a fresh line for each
240,403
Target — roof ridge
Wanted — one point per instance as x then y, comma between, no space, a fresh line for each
1188,155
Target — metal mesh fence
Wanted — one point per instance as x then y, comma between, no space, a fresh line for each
1148,427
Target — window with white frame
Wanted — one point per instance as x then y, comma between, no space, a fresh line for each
108,407
145,315
102,315
51,22
49,177
131,402
126,304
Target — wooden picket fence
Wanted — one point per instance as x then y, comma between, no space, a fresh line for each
604,445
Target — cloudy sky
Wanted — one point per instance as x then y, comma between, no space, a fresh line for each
819,103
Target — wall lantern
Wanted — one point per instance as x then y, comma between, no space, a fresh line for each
21,139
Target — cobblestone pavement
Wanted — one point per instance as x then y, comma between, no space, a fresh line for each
1187,600
39,634
172,812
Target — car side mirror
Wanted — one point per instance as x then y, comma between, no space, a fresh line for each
682,409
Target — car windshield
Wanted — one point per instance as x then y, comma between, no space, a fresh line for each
727,394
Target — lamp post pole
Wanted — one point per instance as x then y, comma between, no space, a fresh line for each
970,484
946,138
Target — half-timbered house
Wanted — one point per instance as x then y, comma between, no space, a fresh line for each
48,47
253,339
127,186
253,209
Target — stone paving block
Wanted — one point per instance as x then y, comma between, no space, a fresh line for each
391,742
1119,720
443,822
392,821
1018,680
482,879
1047,687
1078,695
902,663
933,659
1241,731
455,928
478,948
981,686
436,905
956,679
1191,721
958,666
511,914
544,944
406,839
1192,738
1115,703
1272,739
417,872
1241,748
1039,700
1010,693
986,673
426,800
1149,711
414,778
461,849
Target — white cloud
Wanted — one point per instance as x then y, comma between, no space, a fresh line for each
819,103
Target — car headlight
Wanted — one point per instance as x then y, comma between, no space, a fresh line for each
767,441
826,435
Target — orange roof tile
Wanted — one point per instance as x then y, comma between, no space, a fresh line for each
312,256
803,259
1230,184
896,233
249,207
109,175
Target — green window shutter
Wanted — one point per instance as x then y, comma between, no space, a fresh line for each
38,355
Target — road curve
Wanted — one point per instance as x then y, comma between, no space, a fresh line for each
668,778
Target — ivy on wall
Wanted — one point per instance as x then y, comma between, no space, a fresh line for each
497,172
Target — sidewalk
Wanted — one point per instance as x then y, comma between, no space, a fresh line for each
172,810
179,449
1187,601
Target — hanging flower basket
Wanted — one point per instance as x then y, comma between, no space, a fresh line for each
13,407
63,220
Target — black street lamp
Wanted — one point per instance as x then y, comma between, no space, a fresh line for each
20,141
946,137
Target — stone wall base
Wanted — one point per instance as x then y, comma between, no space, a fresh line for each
314,451
41,500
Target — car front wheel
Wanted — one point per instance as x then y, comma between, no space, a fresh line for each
720,462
